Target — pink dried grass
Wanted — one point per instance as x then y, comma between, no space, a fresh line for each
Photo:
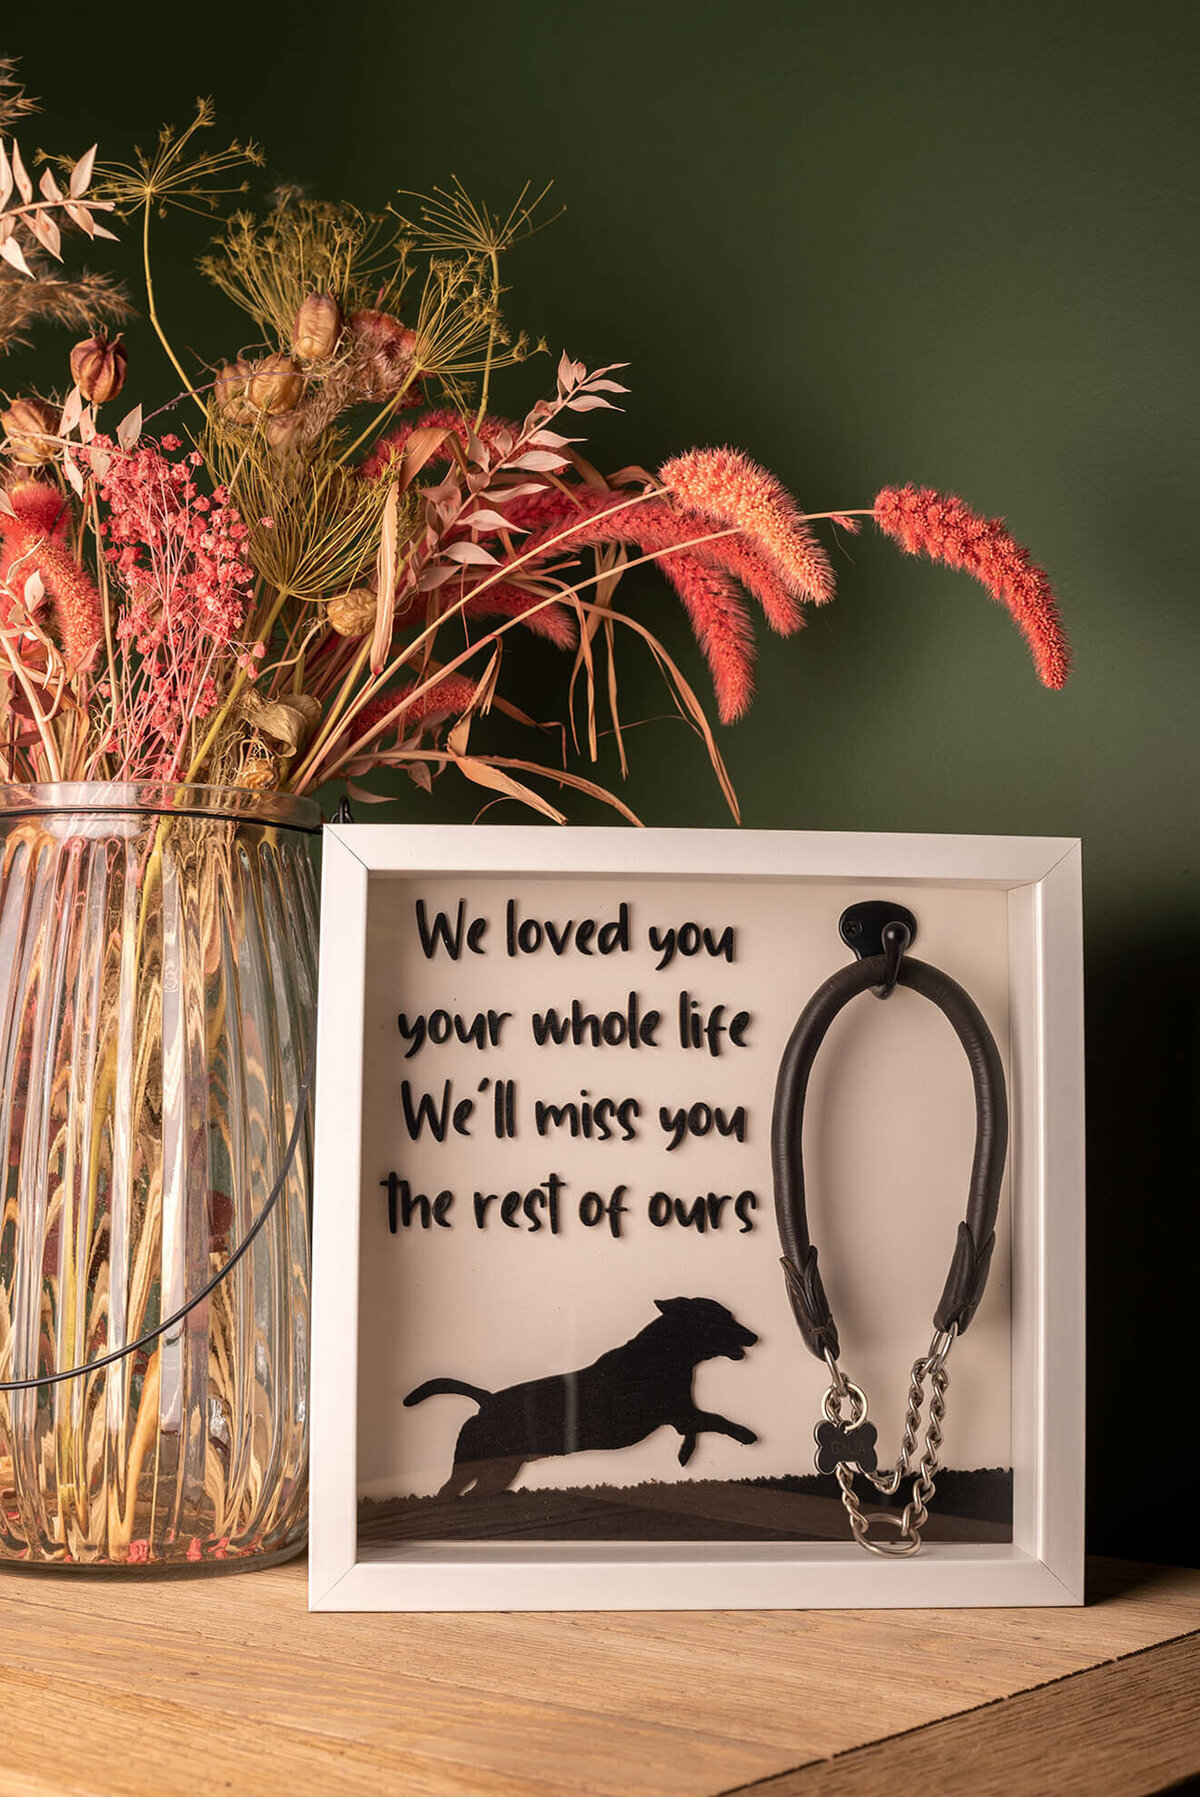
35,541
732,490
553,622
386,451
944,528
704,575
445,698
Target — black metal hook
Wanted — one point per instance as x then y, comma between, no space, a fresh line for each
879,927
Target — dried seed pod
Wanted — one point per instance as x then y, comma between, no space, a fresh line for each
259,774
352,614
286,721
275,385
317,327
229,389
386,348
27,425
98,368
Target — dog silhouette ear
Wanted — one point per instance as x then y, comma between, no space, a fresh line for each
666,1305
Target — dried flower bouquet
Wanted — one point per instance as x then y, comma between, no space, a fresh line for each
326,577
316,562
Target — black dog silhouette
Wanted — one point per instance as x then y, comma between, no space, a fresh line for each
643,1385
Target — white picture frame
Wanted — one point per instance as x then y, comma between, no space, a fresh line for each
1043,1562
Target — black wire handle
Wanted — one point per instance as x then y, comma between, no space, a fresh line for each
94,1366
888,966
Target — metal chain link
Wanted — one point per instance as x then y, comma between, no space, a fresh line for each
909,1522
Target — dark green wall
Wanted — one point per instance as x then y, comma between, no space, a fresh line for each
870,243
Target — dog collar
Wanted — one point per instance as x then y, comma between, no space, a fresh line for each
880,932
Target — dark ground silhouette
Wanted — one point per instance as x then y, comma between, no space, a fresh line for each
969,1506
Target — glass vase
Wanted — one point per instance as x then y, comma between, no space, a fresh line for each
157,1002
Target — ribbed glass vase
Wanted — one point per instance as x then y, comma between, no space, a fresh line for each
157,1000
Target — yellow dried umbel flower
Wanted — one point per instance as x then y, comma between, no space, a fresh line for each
275,386
98,368
27,424
229,389
317,327
353,614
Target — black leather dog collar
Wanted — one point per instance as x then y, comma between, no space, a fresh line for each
976,1234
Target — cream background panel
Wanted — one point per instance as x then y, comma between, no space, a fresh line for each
888,1138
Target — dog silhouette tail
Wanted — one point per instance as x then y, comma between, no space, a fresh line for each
440,1388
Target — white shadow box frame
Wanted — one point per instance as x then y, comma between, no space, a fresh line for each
1043,1562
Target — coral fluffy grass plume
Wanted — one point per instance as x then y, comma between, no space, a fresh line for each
944,528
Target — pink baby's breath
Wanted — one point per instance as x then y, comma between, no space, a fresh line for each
178,559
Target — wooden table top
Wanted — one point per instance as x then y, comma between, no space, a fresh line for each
216,1685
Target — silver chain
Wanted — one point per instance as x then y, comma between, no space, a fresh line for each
931,1369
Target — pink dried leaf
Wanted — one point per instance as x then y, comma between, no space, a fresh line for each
6,505
504,442
34,591
483,773
99,231
79,215
421,445
81,174
47,234
445,493
24,184
361,796
593,403
542,461
432,578
6,179
470,552
49,187
498,495
130,428
74,478
72,408
12,253
595,386
551,440
486,520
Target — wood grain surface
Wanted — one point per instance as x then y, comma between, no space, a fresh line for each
227,1684
1128,1729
